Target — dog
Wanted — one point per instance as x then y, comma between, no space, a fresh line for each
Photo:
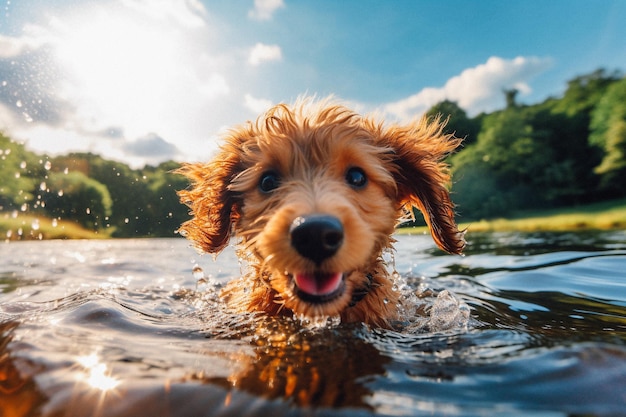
314,191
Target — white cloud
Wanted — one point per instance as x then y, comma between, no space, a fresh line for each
186,13
476,89
264,9
12,47
256,105
261,53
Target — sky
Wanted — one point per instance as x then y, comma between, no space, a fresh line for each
145,81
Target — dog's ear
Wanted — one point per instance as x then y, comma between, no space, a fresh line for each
214,207
422,177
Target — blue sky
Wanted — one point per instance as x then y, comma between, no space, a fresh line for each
149,80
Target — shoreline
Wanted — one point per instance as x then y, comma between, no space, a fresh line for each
608,215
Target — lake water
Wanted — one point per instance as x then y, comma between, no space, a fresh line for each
523,325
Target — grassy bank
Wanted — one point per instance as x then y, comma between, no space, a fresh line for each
30,227
598,216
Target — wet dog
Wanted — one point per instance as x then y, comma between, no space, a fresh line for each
314,192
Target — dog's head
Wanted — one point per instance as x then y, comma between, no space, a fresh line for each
314,192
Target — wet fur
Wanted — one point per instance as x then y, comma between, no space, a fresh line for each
311,145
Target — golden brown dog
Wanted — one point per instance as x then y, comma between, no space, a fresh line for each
314,192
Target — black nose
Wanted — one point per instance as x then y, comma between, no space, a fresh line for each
317,236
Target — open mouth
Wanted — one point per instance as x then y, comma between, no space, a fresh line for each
319,287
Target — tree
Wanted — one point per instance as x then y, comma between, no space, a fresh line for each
458,123
21,172
74,196
166,211
497,174
510,94
585,91
608,133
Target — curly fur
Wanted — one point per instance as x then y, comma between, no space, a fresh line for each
311,145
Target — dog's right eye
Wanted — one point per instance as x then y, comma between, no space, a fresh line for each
269,181
356,177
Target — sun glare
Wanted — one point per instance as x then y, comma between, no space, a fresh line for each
97,376
118,62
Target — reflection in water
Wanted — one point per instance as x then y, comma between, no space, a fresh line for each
327,367
97,375
19,395
116,335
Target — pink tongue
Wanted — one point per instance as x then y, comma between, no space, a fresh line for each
318,283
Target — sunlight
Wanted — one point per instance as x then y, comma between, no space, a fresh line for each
97,376
119,62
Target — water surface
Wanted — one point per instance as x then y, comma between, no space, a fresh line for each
524,324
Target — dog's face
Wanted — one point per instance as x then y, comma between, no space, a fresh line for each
314,193
317,205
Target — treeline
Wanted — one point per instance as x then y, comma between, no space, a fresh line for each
96,193
561,152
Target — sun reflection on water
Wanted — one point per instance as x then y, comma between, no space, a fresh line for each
97,374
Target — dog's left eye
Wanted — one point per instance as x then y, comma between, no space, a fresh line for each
269,181
356,177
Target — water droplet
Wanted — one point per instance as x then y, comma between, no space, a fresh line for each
126,220
55,222
43,186
35,224
18,103
88,210
60,193
17,175
66,170
24,207
198,273
47,165
23,164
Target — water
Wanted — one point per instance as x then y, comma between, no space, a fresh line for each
524,325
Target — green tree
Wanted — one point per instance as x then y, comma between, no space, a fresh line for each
584,92
21,172
127,187
569,177
166,211
75,197
144,201
497,174
608,133
458,123
510,97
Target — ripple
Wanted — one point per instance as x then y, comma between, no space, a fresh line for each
526,324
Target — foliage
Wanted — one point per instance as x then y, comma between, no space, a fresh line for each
78,197
608,132
19,170
458,123
144,202
547,155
